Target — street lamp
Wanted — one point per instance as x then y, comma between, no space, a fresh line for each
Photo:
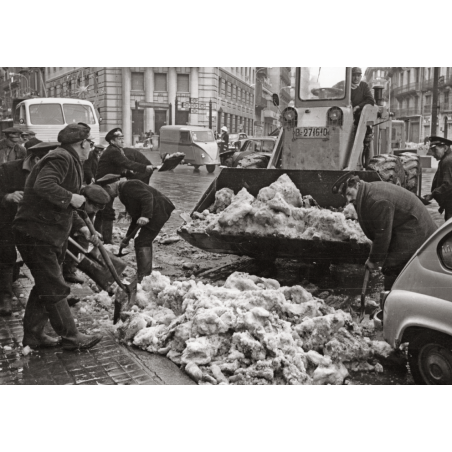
13,74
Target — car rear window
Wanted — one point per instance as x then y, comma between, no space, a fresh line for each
445,251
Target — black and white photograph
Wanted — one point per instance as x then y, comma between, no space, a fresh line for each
247,242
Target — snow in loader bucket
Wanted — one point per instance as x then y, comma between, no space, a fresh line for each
315,183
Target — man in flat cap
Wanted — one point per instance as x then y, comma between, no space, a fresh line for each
361,93
96,198
442,182
12,182
114,161
10,147
148,208
394,219
42,225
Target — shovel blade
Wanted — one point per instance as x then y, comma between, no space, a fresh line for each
131,293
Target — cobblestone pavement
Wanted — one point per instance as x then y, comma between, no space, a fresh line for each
108,363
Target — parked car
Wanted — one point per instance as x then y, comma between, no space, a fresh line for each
418,310
234,137
260,148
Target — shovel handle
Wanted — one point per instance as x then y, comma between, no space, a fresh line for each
130,236
366,281
104,253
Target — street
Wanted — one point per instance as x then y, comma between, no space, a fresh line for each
113,363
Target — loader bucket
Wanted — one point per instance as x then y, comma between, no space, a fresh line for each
317,183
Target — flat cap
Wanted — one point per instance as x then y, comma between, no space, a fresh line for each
108,179
117,131
95,194
356,70
32,142
99,146
31,133
12,130
73,133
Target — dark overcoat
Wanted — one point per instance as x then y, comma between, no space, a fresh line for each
45,212
395,220
442,182
114,161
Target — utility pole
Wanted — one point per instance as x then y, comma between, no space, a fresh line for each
210,114
435,101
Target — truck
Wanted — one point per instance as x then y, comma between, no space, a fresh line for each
46,116
321,138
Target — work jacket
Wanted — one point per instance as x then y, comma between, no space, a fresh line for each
136,156
442,182
10,151
395,220
12,178
114,161
141,200
362,95
45,211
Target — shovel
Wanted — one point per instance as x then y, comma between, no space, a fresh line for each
363,294
125,241
129,289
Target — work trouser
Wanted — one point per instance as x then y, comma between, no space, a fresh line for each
390,275
8,257
44,261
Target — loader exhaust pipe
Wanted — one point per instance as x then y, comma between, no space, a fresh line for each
378,95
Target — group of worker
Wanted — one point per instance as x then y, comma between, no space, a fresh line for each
44,197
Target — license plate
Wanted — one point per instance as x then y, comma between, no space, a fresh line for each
312,132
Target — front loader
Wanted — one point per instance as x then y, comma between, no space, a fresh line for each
320,139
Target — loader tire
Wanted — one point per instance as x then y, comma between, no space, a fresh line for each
389,167
254,161
411,165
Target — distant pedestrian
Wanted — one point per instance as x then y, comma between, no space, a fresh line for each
91,164
224,145
441,190
10,147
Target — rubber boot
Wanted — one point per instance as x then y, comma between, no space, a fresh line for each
35,320
6,291
144,262
107,231
61,319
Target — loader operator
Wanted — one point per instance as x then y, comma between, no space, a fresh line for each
442,182
12,182
393,218
114,161
148,208
361,93
44,219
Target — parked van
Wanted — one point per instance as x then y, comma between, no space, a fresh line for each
197,143
46,116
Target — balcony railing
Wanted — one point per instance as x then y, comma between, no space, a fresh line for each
404,112
446,106
405,89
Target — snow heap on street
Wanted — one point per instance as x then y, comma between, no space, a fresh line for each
278,210
249,331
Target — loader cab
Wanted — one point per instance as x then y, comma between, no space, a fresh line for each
320,131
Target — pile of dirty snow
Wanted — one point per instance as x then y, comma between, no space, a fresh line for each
249,331
278,210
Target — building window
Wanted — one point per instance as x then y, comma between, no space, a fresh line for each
234,93
183,83
137,81
160,82
446,98
223,88
239,95
228,92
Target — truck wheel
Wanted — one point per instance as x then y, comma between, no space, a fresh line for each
430,359
254,161
411,165
389,167
210,168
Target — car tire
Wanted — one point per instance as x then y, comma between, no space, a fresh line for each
210,168
430,358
